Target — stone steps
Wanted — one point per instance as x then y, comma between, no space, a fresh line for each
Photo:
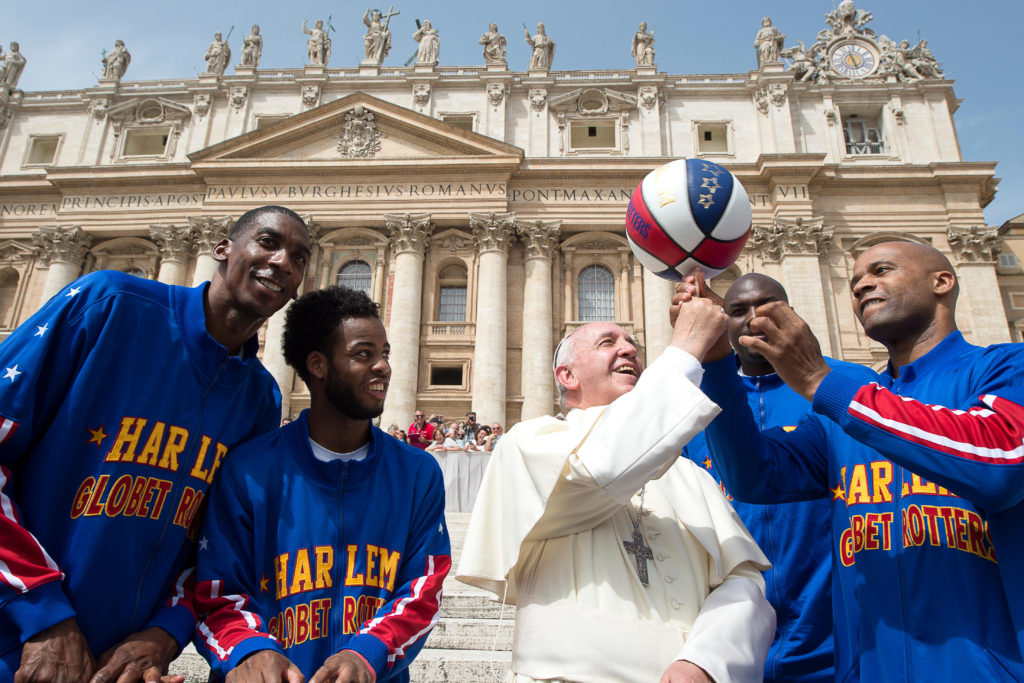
468,644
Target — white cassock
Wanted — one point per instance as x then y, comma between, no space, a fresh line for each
554,509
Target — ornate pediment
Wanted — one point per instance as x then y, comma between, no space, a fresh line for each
143,111
592,102
355,129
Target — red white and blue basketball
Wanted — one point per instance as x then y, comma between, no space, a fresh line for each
686,214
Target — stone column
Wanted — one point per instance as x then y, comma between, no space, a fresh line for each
798,245
493,233
657,329
206,233
63,249
273,358
410,235
977,249
176,248
538,385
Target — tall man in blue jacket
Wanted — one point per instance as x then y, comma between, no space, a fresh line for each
925,465
119,399
325,540
794,536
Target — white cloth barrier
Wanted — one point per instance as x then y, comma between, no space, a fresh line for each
463,471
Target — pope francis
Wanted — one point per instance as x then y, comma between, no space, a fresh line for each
625,562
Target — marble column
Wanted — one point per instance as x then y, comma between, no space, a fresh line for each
64,249
657,329
206,233
492,232
977,249
798,245
410,236
538,385
176,249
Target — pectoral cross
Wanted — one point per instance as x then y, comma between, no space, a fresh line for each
640,551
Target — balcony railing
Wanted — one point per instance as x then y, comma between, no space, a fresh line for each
449,331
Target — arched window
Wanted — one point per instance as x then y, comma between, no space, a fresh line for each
451,306
137,272
596,294
8,292
355,275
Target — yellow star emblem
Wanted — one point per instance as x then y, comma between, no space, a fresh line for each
97,436
707,463
706,201
712,170
711,183
264,584
838,493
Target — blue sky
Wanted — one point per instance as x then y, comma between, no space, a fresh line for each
976,42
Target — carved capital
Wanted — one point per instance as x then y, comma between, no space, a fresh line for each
539,237
176,243
60,244
648,96
790,238
976,244
409,231
421,94
206,232
761,100
313,228
493,231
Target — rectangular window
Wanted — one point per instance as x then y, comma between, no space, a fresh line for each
592,135
42,150
461,121
1008,262
713,138
145,143
452,305
447,376
862,135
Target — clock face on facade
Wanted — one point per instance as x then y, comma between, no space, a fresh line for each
853,59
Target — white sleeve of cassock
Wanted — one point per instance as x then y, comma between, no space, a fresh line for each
641,433
734,629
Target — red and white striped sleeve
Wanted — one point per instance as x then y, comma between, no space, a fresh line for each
976,451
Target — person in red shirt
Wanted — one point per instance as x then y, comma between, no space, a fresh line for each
421,432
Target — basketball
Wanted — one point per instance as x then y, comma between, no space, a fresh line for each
686,214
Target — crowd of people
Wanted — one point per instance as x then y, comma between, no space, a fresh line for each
437,434
780,516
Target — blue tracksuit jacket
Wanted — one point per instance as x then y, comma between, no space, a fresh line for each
795,537
926,476
116,409
308,558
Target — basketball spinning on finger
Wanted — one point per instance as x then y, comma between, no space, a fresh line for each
686,214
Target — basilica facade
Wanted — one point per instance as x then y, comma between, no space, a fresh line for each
484,207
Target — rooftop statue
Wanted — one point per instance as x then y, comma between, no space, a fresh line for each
116,62
318,46
11,67
768,42
543,48
252,48
494,45
643,46
846,20
218,55
430,44
377,40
